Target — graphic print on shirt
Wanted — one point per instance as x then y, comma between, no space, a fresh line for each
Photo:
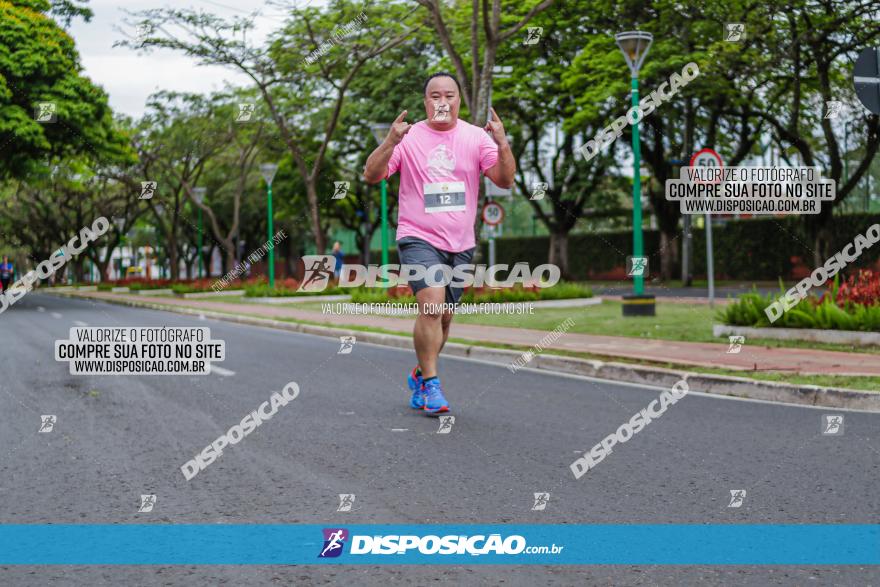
441,162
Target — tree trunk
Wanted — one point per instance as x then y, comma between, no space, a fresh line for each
559,252
668,254
174,261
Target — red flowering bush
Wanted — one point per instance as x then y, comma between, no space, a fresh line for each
862,289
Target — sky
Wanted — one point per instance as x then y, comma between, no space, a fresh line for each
129,77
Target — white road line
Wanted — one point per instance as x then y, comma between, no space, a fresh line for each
56,315
400,429
80,323
41,309
221,371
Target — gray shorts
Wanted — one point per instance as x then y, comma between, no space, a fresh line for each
415,251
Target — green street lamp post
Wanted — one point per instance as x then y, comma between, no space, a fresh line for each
199,197
268,171
634,45
160,210
380,131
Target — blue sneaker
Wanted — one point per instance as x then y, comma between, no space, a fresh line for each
417,386
435,403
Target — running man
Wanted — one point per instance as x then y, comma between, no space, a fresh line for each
6,273
440,160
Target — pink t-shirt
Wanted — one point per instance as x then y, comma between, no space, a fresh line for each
428,156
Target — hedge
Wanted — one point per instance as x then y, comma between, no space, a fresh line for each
763,248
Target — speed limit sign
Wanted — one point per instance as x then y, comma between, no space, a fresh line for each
493,213
707,158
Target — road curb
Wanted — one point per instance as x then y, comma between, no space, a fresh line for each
812,395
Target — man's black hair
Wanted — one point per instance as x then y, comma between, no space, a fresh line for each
441,74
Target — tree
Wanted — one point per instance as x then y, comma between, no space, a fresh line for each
39,65
284,71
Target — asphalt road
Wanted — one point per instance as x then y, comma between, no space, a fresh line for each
351,431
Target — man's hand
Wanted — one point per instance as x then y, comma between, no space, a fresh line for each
502,173
496,129
398,129
377,163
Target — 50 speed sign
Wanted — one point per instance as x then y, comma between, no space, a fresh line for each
708,158
493,213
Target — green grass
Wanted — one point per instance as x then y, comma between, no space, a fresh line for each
674,321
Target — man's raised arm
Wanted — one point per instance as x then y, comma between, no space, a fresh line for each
377,162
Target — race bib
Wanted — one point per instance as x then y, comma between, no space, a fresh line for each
445,196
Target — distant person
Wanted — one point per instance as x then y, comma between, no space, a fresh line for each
337,254
6,273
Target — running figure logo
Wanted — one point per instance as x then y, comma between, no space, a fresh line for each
736,498
736,343
346,345
318,271
832,425
533,35
637,266
832,108
541,501
47,423
446,423
45,112
538,191
245,111
341,188
736,31
148,190
334,541
147,503
346,500
441,111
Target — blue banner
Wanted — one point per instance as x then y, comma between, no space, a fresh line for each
271,544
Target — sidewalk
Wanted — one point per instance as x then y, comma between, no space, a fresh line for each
790,360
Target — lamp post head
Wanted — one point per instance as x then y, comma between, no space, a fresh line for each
199,194
380,131
634,45
268,171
